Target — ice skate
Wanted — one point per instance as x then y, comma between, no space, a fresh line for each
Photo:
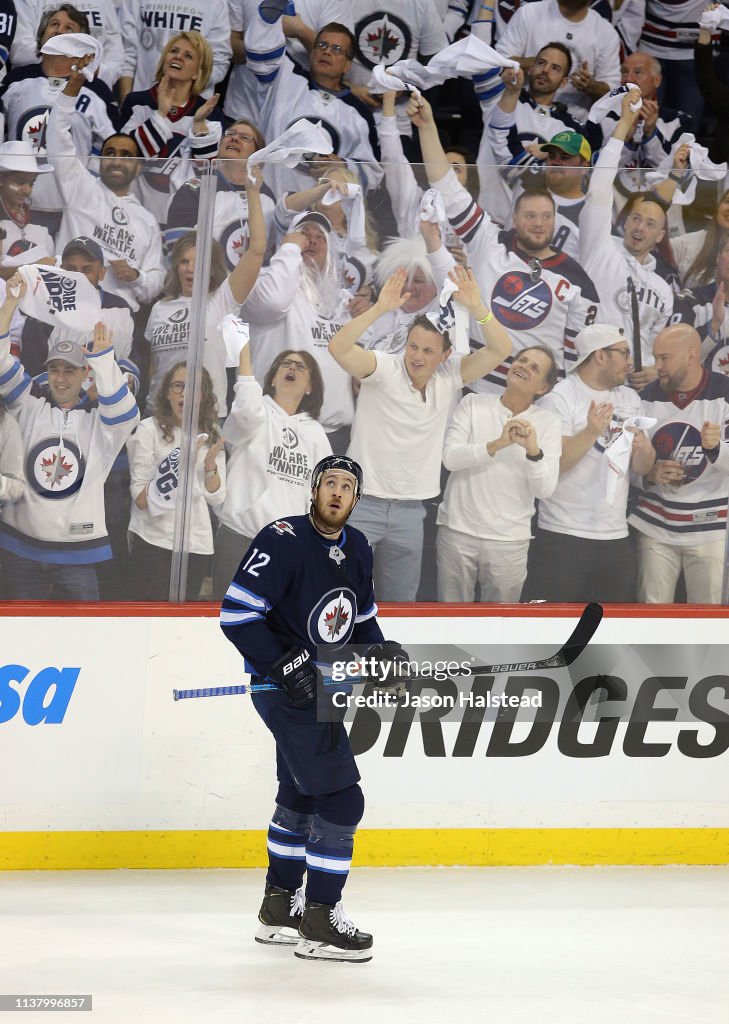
280,916
328,934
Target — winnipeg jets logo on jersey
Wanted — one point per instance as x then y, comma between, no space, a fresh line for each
32,128
55,469
518,302
281,526
681,442
382,39
332,619
234,240
719,361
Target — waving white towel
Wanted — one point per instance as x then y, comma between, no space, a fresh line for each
716,19
612,102
618,454
354,211
301,137
59,297
75,44
236,335
699,163
469,56
432,207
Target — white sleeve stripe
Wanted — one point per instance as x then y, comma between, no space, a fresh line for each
241,596
367,615
238,618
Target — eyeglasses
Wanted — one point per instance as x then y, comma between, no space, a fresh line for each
178,386
336,49
624,352
241,136
293,364
535,270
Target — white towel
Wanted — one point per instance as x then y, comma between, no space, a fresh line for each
469,56
353,204
432,207
618,454
75,44
699,163
300,138
612,101
162,488
716,19
60,297
236,335
31,255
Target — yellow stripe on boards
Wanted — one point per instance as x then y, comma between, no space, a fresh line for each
56,851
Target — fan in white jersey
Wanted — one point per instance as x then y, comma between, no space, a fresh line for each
539,295
168,327
298,302
230,217
103,25
274,440
582,545
31,91
631,292
154,458
19,170
681,515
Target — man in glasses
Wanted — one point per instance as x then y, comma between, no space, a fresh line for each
541,296
581,550
281,95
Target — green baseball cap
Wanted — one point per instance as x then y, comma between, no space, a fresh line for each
570,142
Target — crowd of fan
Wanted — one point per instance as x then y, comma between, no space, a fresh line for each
505,296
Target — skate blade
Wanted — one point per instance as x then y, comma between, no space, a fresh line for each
307,950
275,935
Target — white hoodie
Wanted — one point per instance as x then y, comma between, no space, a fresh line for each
271,456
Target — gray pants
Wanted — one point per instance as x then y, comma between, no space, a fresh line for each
395,531
229,550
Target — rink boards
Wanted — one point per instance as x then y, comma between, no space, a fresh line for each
100,768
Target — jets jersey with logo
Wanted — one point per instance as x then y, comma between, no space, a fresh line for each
579,505
695,512
230,217
610,265
695,306
295,588
120,224
281,316
68,455
284,96
103,26
539,303
271,458
168,334
386,33
27,101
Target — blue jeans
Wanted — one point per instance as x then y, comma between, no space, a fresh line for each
26,580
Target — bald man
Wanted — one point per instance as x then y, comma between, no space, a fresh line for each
682,512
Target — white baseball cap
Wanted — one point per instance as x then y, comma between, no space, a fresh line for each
592,338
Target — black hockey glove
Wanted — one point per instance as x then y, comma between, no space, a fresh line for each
296,672
386,668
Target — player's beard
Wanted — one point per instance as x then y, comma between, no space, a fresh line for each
329,521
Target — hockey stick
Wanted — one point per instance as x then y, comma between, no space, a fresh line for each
569,652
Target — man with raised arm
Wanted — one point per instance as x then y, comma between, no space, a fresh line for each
400,421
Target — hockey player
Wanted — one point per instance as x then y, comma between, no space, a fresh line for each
304,588
540,296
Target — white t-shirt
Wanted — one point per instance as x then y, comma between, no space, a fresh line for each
397,438
593,40
579,505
